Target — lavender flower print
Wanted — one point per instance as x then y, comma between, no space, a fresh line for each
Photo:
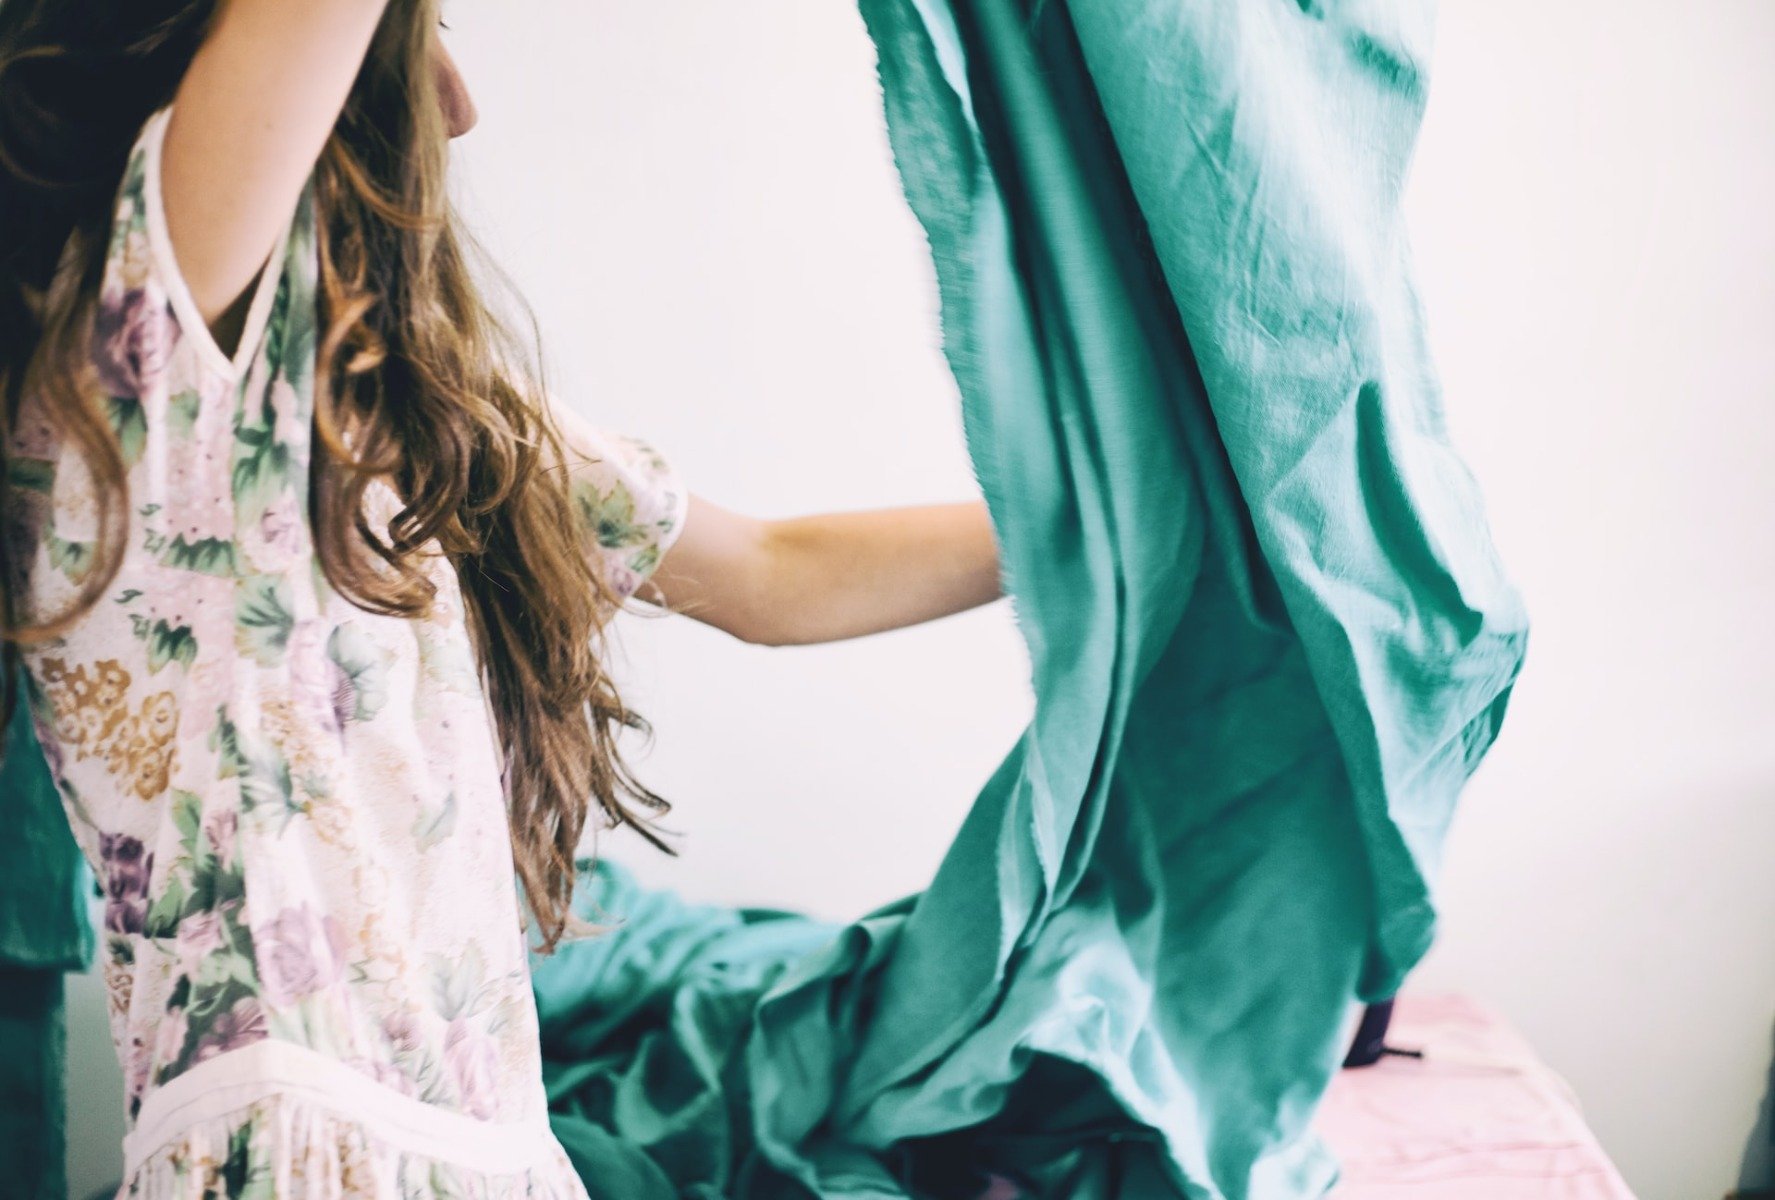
299,954
133,337
280,533
219,829
320,686
200,935
240,1026
402,1031
472,1060
127,868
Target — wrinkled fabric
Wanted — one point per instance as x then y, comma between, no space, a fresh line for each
44,883
44,931
1269,634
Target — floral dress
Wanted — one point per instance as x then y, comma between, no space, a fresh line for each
314,956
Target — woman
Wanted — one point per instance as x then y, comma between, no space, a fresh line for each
306,575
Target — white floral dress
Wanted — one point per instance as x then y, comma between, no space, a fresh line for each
317,974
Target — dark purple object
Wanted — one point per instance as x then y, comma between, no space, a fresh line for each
1370,1042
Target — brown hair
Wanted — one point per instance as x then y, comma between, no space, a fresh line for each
435,390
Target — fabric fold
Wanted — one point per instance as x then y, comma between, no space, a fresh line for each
44,932
1269,636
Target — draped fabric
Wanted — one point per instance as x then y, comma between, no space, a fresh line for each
1269,634
44,931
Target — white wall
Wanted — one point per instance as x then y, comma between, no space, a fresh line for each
1592,208
697,198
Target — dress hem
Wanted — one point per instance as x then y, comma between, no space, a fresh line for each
235,1081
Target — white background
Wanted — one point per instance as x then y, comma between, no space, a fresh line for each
696,197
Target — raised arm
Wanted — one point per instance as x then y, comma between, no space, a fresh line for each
249,120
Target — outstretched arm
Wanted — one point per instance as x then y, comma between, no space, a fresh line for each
249,120
830,577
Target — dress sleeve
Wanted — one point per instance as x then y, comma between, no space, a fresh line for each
147,326
630,500
168,392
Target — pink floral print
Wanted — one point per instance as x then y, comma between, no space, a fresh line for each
294,808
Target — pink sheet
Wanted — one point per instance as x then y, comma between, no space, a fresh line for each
1478,1118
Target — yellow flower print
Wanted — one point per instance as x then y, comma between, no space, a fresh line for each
92,714
160,718
285,727
331,822
151,773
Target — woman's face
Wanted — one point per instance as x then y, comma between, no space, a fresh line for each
459,107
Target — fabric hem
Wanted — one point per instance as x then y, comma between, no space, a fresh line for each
680,514
235,1081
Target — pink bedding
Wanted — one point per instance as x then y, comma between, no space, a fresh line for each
1478,1118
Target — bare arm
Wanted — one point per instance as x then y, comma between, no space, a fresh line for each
249,120
830,577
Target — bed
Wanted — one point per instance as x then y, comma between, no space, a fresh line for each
1478,1117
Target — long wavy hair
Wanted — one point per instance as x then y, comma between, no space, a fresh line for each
442,401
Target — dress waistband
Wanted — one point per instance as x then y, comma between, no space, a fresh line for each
241,1078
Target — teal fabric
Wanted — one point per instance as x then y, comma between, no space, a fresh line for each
44,931
1269,634
33,1050
44,880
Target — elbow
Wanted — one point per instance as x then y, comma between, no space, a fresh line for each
763,614
762,629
